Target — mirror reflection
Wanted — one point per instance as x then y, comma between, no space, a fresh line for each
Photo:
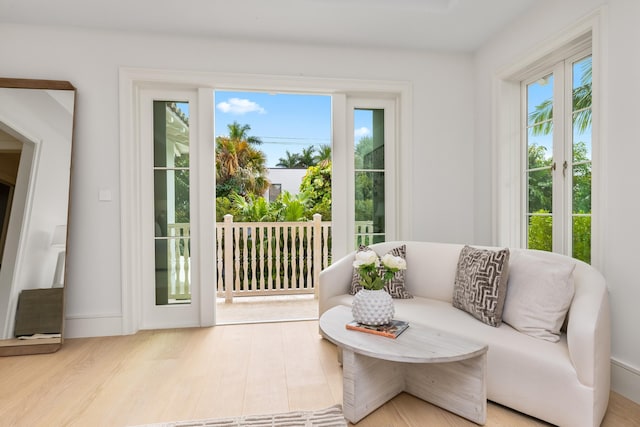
36,128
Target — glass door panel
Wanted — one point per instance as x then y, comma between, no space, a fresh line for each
369,167
540,164
171,202
581,114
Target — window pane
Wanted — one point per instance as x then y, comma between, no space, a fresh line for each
369,176
581,176
540,232
274,192
539,149
540,191
581,116
582,237
370,200
369,139
170,134
171,201
581,188
582,84
539,102
539,146
581,138
173,270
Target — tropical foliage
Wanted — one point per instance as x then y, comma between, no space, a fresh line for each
540,195
314,197
306,159
240,167
316,187
540,181
249,205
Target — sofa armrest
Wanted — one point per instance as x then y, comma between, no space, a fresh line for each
335,280
589,329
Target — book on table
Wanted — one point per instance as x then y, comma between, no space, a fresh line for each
389,330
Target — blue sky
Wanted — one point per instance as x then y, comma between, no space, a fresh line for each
282,121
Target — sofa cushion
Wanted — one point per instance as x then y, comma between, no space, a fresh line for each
539,294
481,283
395,287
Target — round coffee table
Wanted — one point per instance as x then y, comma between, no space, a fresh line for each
438,367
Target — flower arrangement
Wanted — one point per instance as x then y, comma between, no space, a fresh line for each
375,272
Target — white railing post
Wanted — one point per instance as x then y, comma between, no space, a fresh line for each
228,257
317,251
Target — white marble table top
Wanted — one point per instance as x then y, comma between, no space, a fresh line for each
418,344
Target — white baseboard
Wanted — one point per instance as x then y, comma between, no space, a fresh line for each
625,380
105,325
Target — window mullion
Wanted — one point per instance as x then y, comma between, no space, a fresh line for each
560,138
568,150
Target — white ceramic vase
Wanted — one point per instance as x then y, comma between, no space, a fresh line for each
372,307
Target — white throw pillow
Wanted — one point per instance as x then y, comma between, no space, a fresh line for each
539,293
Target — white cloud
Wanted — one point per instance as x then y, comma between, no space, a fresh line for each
240,106
359,133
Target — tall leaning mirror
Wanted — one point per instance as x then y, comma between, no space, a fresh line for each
36,132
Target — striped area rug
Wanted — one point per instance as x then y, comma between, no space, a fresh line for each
329,417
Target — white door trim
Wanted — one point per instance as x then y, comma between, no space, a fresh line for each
132,80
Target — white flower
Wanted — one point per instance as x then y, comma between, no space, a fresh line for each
366,258
394,262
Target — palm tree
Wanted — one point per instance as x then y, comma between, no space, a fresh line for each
238,132
291,161
543,113
307,157
240,168
324,155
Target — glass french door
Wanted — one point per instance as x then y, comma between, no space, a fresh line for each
371,124
557,172
172,290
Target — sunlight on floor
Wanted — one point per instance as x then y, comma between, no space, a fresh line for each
267,309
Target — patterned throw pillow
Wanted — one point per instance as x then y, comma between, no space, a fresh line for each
481,283
395,286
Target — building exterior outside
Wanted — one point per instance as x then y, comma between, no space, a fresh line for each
283,179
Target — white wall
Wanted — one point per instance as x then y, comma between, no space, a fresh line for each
620,111
443,152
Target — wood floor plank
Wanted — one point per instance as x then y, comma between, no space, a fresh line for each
266,388
306,380
223,371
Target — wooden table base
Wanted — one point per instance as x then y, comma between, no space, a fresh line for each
458,387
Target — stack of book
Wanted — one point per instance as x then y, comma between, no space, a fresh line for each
389,330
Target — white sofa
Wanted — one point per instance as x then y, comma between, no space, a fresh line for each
565,383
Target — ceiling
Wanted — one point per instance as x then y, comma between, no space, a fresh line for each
449,25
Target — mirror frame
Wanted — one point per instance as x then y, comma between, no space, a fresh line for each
15,346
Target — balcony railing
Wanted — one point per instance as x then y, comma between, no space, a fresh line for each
262,258
270,258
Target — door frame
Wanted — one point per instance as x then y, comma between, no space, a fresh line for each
195,313
391,189
133,80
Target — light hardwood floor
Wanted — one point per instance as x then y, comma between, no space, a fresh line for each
230,370
266,309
